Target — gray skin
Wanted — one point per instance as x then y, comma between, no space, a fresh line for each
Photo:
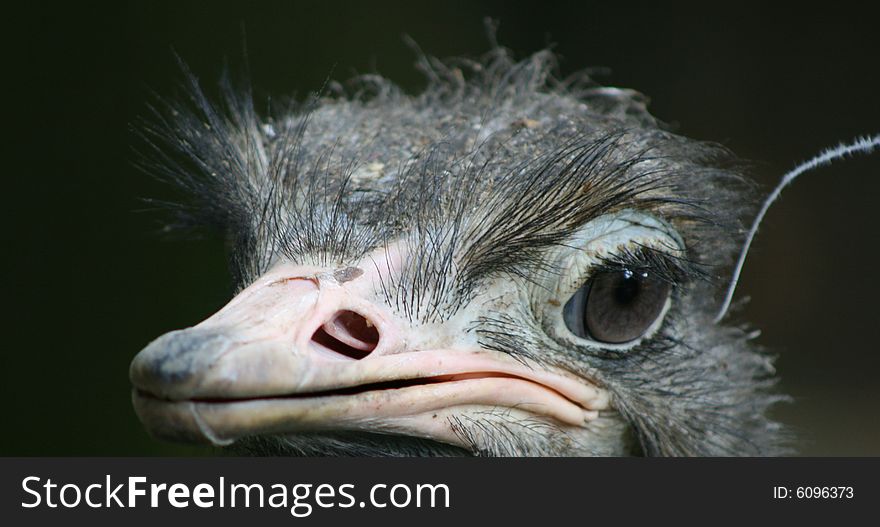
509,164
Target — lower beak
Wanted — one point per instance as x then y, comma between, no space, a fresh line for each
306,350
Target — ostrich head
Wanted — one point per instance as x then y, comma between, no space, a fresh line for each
502,265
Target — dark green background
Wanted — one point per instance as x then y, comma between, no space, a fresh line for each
87,282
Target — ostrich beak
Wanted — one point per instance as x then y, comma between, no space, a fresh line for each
311,349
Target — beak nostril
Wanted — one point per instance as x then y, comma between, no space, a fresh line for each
358,327
349,334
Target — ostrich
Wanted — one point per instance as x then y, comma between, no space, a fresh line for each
505,265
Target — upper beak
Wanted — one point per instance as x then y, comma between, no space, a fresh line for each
307,349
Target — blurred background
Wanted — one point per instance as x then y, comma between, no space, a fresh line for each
88,281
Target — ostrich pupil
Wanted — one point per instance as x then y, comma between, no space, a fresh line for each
626,288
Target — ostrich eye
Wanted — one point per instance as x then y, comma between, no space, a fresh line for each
616,306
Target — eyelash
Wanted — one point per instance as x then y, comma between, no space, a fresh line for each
675,270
